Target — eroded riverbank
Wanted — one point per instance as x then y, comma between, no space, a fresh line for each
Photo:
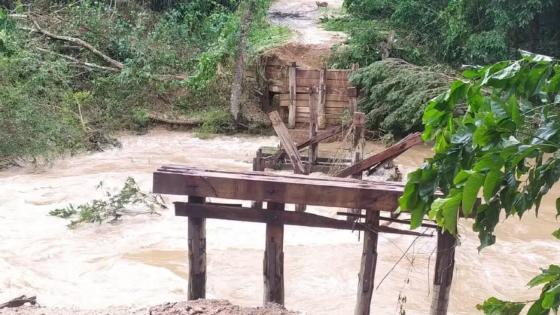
142,261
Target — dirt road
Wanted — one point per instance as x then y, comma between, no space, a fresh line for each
311,44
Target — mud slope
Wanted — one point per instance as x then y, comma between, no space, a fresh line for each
311,44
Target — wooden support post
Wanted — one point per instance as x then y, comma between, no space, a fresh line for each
258,166
352,99
197,254
445,263
273,265
293,89
369,262
322,99
358,122
313,126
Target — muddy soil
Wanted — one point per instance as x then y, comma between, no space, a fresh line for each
311,44
198,307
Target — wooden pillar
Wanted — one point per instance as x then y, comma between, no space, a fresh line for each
313,126
197,254
352,99
273,265
293,90
322,98
443,276
358,122
258,166
369,262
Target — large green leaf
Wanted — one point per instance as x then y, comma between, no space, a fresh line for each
470,192
491,182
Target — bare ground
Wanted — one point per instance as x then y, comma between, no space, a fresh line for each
198,307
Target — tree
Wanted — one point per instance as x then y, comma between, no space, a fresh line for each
496,133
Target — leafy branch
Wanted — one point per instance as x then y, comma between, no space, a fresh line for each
505,148
113,208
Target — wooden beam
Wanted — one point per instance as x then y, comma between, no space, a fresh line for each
286,141
313,125
321,136
321,119
388,154
236,213
197,254
258,166
393,220
273,265
295,189
292,89
358,122
445,263
367,266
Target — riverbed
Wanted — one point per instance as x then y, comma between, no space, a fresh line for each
142,260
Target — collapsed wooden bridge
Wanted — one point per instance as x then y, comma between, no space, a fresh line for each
372,198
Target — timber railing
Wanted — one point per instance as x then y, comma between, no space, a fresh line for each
276,191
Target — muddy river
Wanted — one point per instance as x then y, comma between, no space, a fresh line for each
143,260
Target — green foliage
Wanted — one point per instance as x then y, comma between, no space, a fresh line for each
506,143
216,121
395,93
548,301
50,105
465,31
496,133
113,208
493,306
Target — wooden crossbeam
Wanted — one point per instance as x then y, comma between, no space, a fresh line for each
321,136
294,189
233,213
389,154
287,142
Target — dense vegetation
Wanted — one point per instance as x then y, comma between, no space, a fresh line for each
394,93
505,146
172,57
472,32
433,33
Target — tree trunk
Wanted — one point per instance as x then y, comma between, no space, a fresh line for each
237,85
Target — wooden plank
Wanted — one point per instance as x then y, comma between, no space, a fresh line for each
322,99
390,153
282,87
197,254
331,74
286,141
353,99
294,189
445,263
305,103
292,88
329,83
273,264
305,97
237,213
368,265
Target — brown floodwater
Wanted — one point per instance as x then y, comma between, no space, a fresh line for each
143,260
